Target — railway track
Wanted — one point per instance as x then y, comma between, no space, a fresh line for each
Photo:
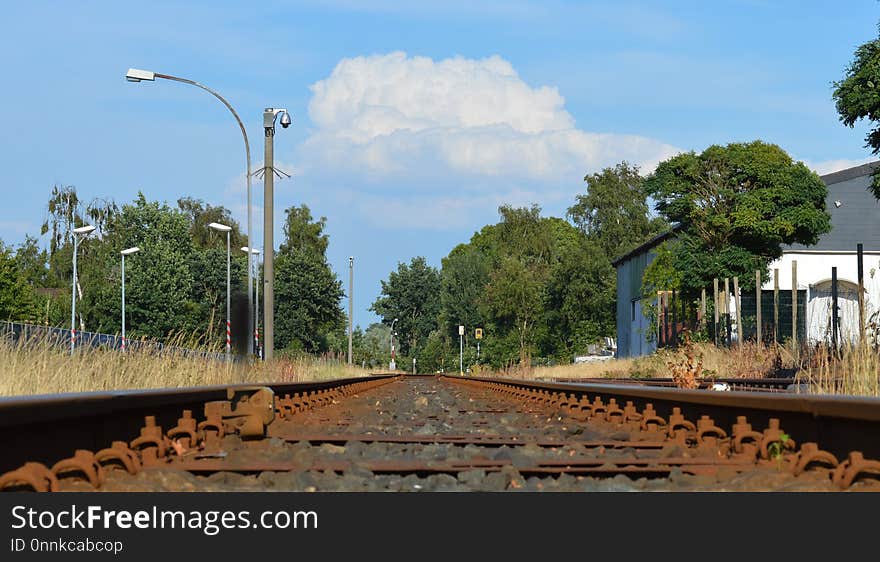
438,433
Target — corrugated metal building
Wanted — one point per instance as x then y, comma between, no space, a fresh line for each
855,217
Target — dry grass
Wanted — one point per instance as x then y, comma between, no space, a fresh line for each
854,370
749,360
44,369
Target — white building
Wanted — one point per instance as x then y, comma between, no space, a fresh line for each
855,218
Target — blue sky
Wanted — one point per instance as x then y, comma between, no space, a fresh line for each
412,123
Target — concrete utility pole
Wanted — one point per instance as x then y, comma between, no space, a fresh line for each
350,304
269,115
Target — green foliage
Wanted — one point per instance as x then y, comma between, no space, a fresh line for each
614,211
410,295
17,298
735,207
307,296
307,292
857,97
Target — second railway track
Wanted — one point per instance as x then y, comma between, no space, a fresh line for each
439,433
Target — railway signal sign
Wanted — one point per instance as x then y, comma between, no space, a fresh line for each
461,330
478,333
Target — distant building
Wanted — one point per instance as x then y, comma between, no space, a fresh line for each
855,217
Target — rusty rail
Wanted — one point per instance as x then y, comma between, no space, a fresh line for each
45,428
841,423
654,431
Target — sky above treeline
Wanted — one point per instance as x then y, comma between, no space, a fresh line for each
412,122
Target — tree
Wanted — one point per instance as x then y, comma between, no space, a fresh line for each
463,277
200,214
857,97
410,295
159,279
302,232
31,261
736,205
17,299
307,292
614,212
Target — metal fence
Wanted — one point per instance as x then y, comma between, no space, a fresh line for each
23,334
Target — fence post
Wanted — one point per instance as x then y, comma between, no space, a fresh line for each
659,318
775,306
738,303
861,277
703,309
674,318
794,307
758,333
727,310
715,297
834,323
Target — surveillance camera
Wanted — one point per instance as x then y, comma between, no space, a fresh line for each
837,203
285,120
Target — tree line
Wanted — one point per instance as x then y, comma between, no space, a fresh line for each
176,284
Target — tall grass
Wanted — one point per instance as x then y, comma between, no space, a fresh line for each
854,369
38,367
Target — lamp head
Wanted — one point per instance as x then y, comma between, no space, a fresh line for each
128,251
220,227
84,229
137,75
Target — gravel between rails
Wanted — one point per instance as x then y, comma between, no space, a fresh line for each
425,408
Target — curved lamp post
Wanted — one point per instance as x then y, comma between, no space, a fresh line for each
126,252
136,75
84,231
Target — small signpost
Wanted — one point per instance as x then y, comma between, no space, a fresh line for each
478,334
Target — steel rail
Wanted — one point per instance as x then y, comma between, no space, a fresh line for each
839,423
44,428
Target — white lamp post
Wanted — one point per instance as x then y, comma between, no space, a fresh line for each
256,335
392,365
84,231
126,252
227,229
136,75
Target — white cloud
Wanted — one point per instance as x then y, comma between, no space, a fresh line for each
386,116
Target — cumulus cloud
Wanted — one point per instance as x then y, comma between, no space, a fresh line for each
414,117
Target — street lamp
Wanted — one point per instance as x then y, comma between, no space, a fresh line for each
256,346
350,304
392,365
270,114
126,252
84,231
136,75
227,229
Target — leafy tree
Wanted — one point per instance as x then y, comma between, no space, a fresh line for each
736,205
857,97
159,279
17,298
514,300
463,278
614,212
579,299
410,295
200,214
307,292
303,233
32,262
